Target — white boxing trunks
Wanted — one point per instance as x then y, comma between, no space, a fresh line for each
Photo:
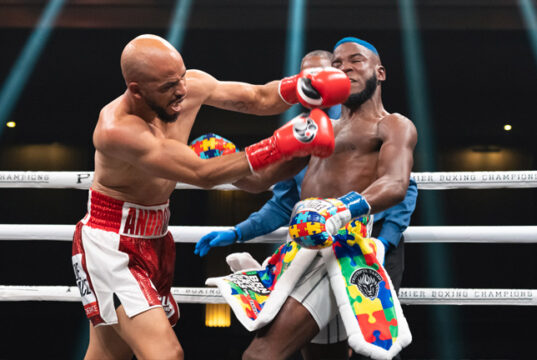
124,255
314,292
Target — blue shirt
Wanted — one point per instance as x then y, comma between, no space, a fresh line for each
334,112
277,211
397,218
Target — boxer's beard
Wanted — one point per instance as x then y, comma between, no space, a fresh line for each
161,112
355,100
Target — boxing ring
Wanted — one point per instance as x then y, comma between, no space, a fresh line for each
191,234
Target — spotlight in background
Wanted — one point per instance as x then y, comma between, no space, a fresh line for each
294,47
11,124
507,127
438,261
25,63
176,33
529,16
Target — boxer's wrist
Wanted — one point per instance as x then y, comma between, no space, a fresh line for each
287,89
302,136
356,203
262,154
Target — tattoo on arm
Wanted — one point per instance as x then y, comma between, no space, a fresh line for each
236,105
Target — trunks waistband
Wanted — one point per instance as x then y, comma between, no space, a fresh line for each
126,218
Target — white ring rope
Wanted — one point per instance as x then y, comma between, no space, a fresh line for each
207,295
192,234
425,180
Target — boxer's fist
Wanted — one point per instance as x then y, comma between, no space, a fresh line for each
314,221
316,88
304,135
211,145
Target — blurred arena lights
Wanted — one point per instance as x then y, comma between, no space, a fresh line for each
217,315
22,69
294,47
176,33
11,124
529,15
443,317
507,127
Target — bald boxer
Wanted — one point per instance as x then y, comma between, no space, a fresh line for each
373,158
123,255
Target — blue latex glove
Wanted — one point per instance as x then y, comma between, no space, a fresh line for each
216,238
382,248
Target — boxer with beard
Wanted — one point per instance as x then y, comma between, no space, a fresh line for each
123,254
372,160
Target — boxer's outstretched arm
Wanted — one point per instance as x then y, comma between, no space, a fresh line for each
131,139
264,179
399,137
236,96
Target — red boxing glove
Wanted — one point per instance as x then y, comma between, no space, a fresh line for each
316,88
304,135
287,89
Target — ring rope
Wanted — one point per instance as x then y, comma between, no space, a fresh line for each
192,234
208,295
425,180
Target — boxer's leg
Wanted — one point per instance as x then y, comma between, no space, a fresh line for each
149,334
286,334
105,343
309,307
336,351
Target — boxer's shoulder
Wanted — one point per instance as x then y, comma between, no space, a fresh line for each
396,123
200,84
199,80
117,128
395,119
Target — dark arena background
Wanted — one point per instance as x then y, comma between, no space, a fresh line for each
462,70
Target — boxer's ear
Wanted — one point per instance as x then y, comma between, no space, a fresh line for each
381,73
135,90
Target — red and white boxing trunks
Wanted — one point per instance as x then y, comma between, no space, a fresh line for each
124,254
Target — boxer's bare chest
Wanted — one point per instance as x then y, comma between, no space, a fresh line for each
352,166
127,181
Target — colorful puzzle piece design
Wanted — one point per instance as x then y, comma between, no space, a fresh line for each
376,317
211,145
252,302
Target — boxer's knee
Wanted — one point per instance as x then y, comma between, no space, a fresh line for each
336,351
260,349
170,350
175,352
